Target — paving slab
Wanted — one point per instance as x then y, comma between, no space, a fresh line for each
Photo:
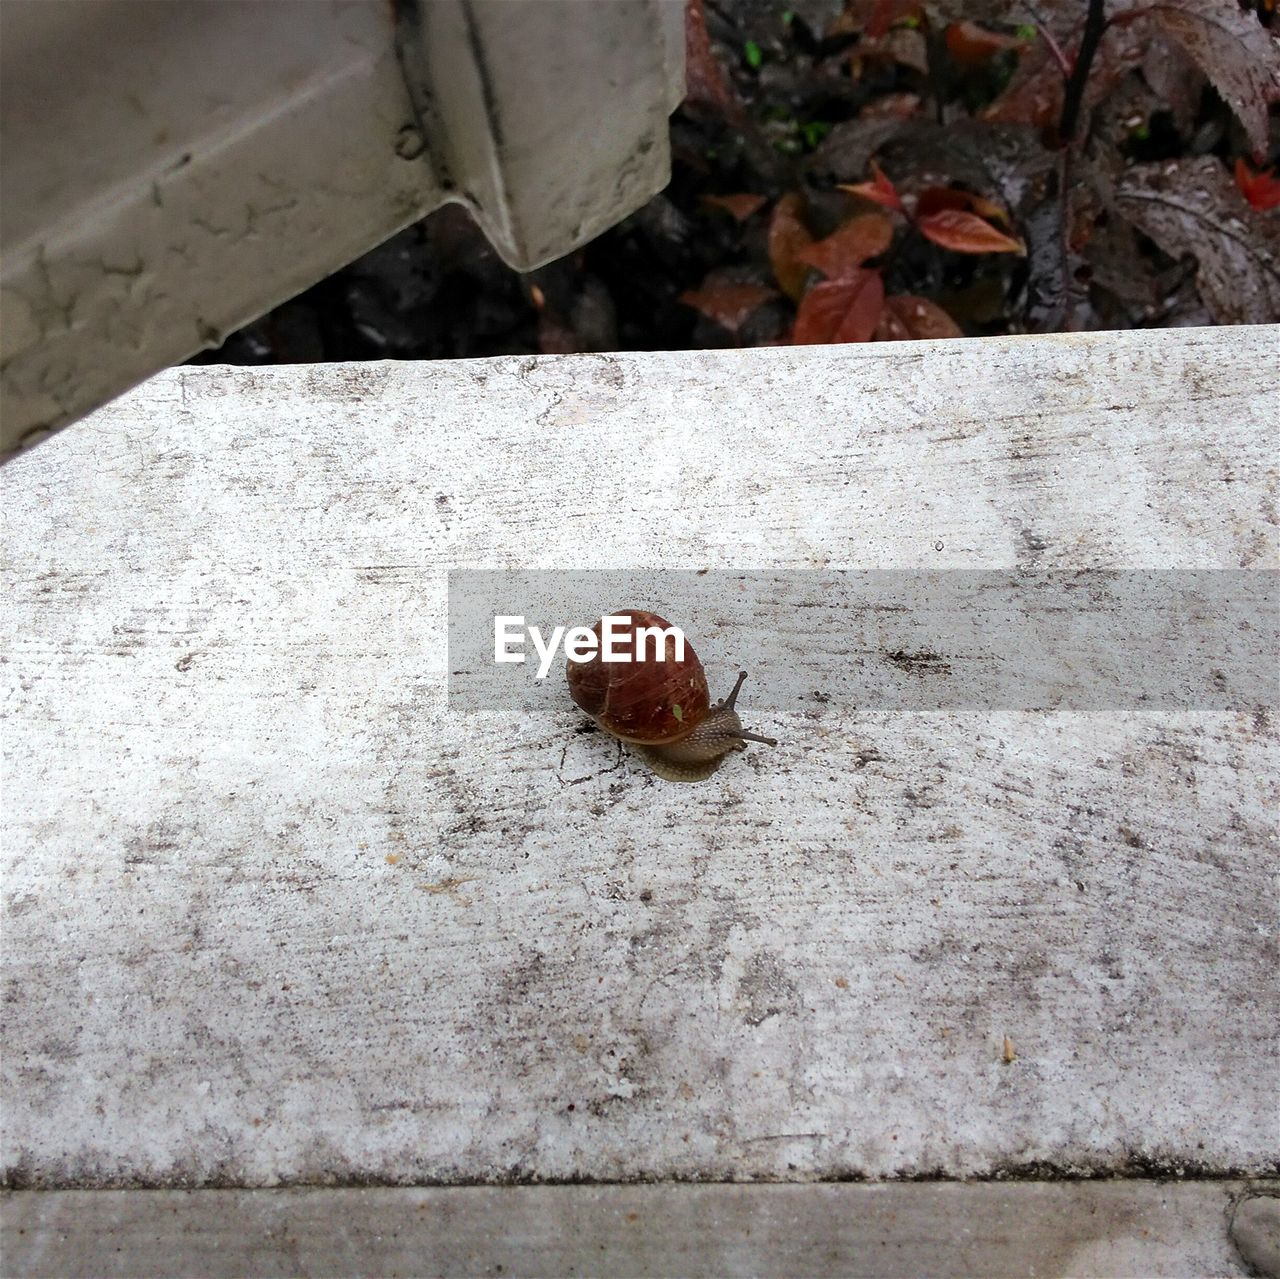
275,913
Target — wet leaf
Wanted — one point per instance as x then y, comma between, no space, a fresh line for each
942,12
934,199
1233,49
1262,190
1175,80
973,46
846,249
739,207
879,190
1192,206
906,317
888,13
964,232
901,46
1125,285
848,149
891,106
788,235
727,303
1034,94
845,310
1009,163
705,81
873,18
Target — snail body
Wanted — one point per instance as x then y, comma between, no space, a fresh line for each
660,706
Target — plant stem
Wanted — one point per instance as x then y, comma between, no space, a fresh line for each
1094,25
1060,58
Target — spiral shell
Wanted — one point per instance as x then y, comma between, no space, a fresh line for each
653,702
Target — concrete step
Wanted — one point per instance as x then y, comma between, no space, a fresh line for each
1047,1229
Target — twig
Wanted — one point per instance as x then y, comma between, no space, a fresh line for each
1056,49
1050,41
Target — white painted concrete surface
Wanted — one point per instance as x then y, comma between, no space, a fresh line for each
273,915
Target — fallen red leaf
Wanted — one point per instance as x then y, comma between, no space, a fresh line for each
888,12
1261,189
972,46
879,190
788,235
729,305
906,317
847,248
964,232
845,310
740,207
1033,96
705,82
934,199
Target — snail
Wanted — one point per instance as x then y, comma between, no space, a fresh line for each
660,706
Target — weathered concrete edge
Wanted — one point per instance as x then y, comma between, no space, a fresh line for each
876,1228
1128,1167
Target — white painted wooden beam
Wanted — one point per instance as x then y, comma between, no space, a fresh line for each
275,914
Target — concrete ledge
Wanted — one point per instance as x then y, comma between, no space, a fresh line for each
924,1229
274,915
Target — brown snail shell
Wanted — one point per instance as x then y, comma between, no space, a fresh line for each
660,706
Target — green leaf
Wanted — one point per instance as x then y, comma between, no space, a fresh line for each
754,54
678,712
787,17
814,132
